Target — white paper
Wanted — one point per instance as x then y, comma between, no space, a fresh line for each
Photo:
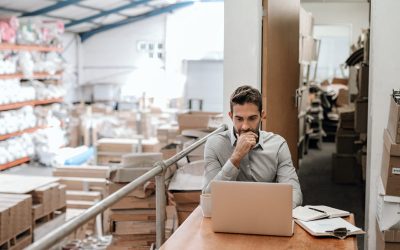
324,225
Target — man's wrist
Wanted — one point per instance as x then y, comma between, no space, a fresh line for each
235,161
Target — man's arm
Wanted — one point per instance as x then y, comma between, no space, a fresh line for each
214,170
286,173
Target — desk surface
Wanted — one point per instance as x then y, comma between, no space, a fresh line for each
196,233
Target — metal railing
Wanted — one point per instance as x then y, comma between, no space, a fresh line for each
157,171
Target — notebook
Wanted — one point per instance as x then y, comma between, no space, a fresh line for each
308,213
252,208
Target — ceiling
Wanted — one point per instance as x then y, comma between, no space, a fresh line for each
89,17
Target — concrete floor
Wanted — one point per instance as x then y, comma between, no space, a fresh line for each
318,188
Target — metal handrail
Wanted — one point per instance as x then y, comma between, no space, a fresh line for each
157,171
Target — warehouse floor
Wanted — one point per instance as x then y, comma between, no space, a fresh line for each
315,180
319,189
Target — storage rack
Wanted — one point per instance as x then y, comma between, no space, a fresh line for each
36,75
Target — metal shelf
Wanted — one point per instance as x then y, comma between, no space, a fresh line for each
14,163
18,133
31,103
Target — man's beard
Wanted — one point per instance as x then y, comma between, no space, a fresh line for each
255,131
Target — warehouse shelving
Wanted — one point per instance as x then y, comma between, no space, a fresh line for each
19,75
18,133
14,163
18,105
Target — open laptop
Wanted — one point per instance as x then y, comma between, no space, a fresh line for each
252,208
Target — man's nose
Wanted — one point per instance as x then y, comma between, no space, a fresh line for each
245,125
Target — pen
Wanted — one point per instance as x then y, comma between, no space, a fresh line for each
317,210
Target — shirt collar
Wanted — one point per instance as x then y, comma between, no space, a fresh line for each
233,139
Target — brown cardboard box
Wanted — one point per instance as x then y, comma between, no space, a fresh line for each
131,202
343,98
361,116
199,120
363,81
394,121
134,227
133,215
82,171
141,160
124,175
387,240
117,145
183,197
83,195
345,169
390,171
77,183
345,142
346,118
143,191
151,145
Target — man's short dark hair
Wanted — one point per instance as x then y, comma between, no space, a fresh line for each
246,94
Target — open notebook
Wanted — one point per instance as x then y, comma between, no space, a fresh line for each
309,213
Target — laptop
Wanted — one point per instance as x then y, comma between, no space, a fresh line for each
252,208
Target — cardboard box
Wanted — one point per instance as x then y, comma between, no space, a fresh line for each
151,145
363,81
343,98
83,195
82,171
387,239
387,209
140,192
117,145
124,175
346,142
131,202
133,215
199,120
141,160
390,171
346,120
345,169
134,227
361,116
394,121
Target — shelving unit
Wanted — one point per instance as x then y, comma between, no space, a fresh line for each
19,75
18,105
14,163
18,133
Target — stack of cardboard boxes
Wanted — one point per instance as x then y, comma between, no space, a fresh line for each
133,219
30,207
15,221
344,162
85,185
185,188
388,229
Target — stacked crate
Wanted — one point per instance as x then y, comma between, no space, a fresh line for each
133,219
15,221
388,207
185,188
111,150
344,162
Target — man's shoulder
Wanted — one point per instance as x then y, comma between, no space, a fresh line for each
218,138
272,137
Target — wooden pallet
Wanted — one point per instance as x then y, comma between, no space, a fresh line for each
19,241
48,217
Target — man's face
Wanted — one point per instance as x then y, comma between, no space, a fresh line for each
246,118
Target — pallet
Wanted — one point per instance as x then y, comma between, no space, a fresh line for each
19,241
48,217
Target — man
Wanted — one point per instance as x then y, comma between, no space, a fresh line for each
245,153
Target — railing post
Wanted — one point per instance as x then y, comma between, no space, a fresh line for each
160,206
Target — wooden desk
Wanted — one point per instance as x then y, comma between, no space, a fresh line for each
196,233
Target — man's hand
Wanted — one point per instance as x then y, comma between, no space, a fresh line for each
244,144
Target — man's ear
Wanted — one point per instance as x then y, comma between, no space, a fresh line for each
230,115
263,114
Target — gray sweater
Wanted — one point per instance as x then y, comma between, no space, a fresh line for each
268,161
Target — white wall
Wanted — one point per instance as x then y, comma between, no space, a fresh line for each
354,14
242,47
384,76
112,56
